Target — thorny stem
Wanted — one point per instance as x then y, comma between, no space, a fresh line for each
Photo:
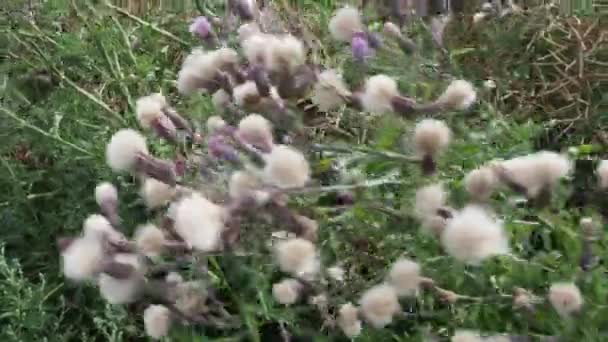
334,188
367,150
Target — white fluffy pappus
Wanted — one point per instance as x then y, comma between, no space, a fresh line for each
123,148
329,91
97,226
537,171
297,257
481,183
200,67
336,273
466,336
257,48
348,320
566,298
243,183
431,137
379,93
215,122
245,94
150,240
459,95
472,235
287,291
247,30
155,193
82,259
286,167
602,174
404,276
148,109
286,53
105,192
199,222
345,22
428,200
157,321
123,291
379,304
256,130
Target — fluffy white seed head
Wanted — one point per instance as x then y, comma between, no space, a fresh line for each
243,183
215,122
200,67
149,240
336,273
329,91
156,194
348,320
220,99
191,297
566,298
404,276
379,92
466,336
379,304
199,222
602,174
429,199
472,235
82,259
98,227
123,148
123,291
148,109
297,256
157,321
537,171
256,130
459,95
105,192
287,291
286,167
431,137
345,22
256,47
286,53
246,93
247,30
481,183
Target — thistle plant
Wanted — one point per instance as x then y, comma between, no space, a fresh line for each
229,178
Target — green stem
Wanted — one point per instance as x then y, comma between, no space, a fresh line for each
367,150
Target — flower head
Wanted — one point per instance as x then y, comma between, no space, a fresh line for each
285,53
459,95
97,226
286,167
254,129
82,259
348,320
287,291
123,291
247,30
201,27
429,199
155,193
149,109
602,174
297,257
105,193
199,222
431,137
379,92
345,22
472,235
404,276
215,122
149,240
481,183
329,91
220,99
379,304
157,321
243,183
246,94
123,149
360,46
566,298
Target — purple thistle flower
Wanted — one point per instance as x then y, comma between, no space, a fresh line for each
360,47
218,148
201,27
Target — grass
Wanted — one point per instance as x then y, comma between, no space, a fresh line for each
70,80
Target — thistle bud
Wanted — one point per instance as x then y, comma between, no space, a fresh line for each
360,47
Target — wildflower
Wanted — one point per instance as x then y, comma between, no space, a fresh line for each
466,336
106,197
200,69
379,304
405,278
566,298
431,137
481,183
255,130
297,256
287,291
379,93
157,321
156,194
190,297
82,259
286,53
247,30
199,222
243,183
246,94
459,95
472,236
124,148
535,172
149,240
602,173
150,114
201,27
215,122
330,91
218,147
97,226
336,273
361,49
286,167
348,320
256,48
124,290
309,228
392,30
428,200
345,23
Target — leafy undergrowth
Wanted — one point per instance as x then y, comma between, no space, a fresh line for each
70,79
